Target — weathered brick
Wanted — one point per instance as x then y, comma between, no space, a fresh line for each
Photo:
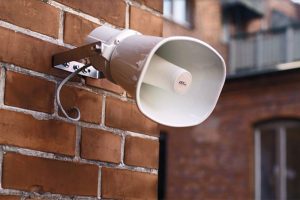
89,103
31,14
23,130
111,11
104,84
141,152
155,4
125,184
138,19
9,197
29,92
40,198
76,29
37,174
126,116
100,145
28,52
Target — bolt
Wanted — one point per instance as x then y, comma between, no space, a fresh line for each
66,65
97,47
75,67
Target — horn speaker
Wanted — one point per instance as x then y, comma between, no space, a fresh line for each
176,81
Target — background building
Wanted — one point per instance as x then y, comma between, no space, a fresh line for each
249,147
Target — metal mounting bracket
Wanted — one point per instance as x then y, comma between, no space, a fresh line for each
76,58
72,66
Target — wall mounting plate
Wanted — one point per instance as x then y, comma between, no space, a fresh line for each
73,66
68,60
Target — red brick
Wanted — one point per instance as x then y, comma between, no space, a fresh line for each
125,184
9,197
76,29
126,116
38,198
104,84
89,103
31,14
28,52
141,152
155,4
111,11
145,22
44,175
23,130
100,145
29,92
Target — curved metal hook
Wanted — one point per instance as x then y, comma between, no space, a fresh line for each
77,118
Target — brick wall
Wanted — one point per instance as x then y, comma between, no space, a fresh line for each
216,159
288,8
207,25
112,153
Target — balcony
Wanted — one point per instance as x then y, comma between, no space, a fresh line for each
245,9
264,51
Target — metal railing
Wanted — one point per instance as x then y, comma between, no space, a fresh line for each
264,50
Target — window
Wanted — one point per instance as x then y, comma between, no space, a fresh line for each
162,172
277,163
179,11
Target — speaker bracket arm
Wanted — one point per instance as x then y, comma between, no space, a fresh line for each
76,58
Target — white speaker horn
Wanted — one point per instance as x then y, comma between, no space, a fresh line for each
176,81
135,60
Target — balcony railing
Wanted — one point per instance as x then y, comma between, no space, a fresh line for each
264,50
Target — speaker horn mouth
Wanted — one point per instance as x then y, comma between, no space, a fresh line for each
167,76
208,70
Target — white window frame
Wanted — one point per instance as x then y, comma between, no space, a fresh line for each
171,16
280,128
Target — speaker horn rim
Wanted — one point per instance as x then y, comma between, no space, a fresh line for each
146,65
